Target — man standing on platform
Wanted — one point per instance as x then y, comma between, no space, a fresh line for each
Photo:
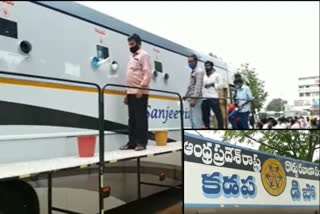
194,92
138,75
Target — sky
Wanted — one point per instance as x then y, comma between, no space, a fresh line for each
279,39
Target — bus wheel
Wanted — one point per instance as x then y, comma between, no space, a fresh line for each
18,197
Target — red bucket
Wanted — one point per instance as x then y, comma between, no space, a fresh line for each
86,146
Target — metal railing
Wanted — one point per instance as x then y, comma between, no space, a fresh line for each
225,102
138,159
101,139
100,121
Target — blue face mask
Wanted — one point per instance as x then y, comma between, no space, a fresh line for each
191,66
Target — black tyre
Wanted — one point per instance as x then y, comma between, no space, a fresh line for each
18,197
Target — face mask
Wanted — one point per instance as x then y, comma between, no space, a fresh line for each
134,49
191,66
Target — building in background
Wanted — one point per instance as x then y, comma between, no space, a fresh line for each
309,92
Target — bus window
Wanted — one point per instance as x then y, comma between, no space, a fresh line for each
102,52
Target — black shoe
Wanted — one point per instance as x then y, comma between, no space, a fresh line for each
140,148
126,147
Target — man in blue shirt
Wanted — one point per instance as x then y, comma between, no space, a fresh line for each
243,101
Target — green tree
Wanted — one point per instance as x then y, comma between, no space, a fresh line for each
276,105
298,144
256,85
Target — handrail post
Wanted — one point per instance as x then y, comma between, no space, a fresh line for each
182,143
101,150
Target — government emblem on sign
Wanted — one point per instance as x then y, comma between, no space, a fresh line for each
273,177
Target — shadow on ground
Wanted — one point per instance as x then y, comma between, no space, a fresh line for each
165,202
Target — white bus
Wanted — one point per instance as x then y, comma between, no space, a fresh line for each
41,117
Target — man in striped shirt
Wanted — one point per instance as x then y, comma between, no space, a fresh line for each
194,91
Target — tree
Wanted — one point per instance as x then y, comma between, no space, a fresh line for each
256,86
276,105
298,144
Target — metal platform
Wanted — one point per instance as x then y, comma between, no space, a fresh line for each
28,169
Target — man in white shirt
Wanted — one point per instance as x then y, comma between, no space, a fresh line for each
211,82
308,124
